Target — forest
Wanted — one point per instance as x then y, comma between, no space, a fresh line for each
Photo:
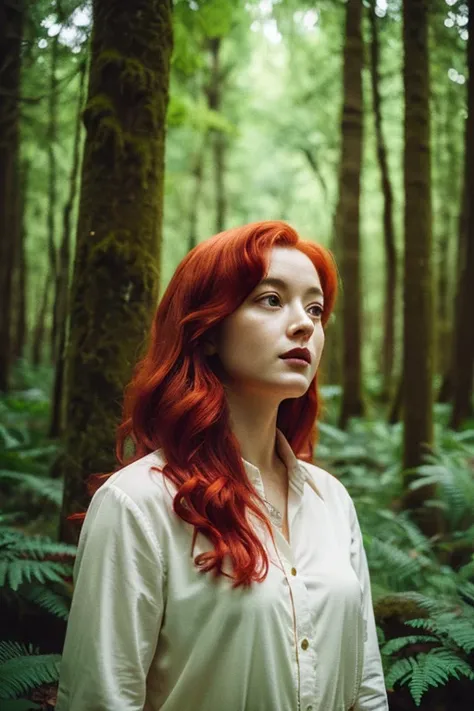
132,131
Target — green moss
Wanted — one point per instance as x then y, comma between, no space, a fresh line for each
100,104
109,129
131,69
399,606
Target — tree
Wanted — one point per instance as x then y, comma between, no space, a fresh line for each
463,370
117,264
214,92
348,212
11,30
388,218
418,280
64,265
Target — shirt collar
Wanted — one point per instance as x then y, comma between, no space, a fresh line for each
298,473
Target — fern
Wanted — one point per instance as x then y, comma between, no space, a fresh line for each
49,600
459,632
24,559
400,564
398,643
14,573
427,670
45,487
22,669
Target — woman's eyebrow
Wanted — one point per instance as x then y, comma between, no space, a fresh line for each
282,284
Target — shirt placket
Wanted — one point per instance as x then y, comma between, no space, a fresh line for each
306,656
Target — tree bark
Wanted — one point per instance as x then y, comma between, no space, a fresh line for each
62,287
51,138
115,281
21,269
388,222
214,95
463,370
349,211
448,153
11,29
446,390
39,331
418,279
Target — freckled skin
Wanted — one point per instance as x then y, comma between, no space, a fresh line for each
271,321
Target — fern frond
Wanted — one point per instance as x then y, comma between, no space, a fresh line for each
43,486
48,599
401,564
459,630
15,572
396,644
399,672
435,669
21,669
13,542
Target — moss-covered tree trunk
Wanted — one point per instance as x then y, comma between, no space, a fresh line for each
388,346
418,278
348,211
11,28
463,369
115,282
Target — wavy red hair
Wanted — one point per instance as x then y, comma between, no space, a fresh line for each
175,401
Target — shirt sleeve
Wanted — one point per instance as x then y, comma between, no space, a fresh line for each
372,694
116,609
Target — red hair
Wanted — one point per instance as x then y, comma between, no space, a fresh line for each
175,401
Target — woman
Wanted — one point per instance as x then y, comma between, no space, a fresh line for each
220,570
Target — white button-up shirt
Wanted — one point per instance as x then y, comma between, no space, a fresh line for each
148,631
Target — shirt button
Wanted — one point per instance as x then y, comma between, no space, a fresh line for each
309,708
304,644
293,571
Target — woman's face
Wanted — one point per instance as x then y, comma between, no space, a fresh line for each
282,313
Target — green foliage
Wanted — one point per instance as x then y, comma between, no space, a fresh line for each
35,571
415,578
51,489
22,668
27,559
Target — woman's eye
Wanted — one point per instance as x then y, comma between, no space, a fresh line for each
274,297
317,310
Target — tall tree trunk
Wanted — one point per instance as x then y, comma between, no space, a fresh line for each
388,223
62,290
197,173
348,213
449,205
463,370
21,268
446,390
11,29
115,282
39,331
418,279
214,94
52,137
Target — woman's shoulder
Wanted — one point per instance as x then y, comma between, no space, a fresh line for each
141,483
326,484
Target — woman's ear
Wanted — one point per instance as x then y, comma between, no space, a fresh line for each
209,348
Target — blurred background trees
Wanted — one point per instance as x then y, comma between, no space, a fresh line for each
129,133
